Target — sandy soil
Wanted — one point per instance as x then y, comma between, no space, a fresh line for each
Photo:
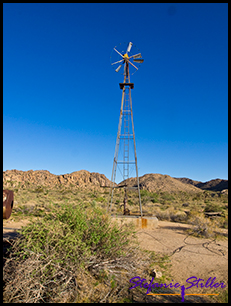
189,256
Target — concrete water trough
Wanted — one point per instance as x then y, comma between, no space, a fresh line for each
145,222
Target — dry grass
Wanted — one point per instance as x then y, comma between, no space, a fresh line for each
202,226
170,214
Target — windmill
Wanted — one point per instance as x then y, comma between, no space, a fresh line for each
125,59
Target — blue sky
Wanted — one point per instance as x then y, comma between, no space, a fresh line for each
61,97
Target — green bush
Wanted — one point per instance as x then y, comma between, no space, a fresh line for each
167,196
154,197
60,257
100,199
144,192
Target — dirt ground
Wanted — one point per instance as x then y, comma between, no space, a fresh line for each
189,256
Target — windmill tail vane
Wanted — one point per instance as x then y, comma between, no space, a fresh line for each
129,56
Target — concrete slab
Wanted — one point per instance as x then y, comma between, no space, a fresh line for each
139,222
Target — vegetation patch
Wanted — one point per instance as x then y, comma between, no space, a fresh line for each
202,226
73,254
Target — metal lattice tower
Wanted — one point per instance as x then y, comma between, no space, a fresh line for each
125,132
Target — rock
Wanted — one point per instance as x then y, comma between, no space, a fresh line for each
187,212
156,274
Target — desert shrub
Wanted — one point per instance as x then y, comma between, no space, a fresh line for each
202,226
154,197
198,196
144,192
72,254
224,222
171,214
100,199
165,197
212,207
130,202
24,210
39,189
66,191
163,214
179,216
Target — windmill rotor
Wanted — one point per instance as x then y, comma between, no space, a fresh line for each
126,55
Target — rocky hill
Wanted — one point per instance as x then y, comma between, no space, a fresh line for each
152,182
155,182
214,185
24,179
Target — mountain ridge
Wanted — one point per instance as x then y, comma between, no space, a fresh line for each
152,182
213,185
83,179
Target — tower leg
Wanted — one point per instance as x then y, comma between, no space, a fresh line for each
113,176
134,142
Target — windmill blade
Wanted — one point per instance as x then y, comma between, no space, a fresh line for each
118,52
118,68
133,65
129,47
138,60
138,55
117,62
